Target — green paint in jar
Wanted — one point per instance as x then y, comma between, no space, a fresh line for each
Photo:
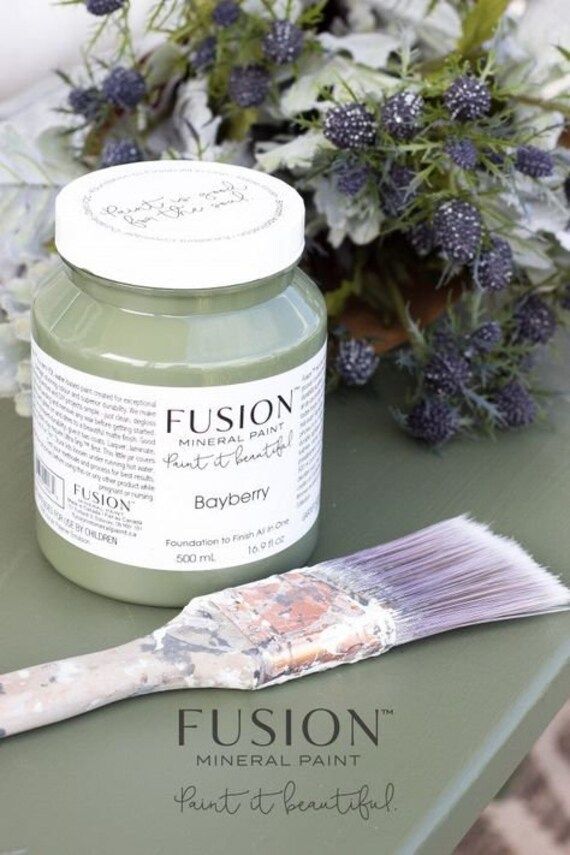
178,383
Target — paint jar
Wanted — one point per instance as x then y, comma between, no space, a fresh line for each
178,382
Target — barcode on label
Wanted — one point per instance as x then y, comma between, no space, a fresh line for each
51,483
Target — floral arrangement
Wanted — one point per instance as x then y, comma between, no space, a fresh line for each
430,157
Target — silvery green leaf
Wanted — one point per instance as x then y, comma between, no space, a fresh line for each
194,122
31,171
24,373
359,219
26,224
436,25
343,75
46,160
537,206
237,152
23,396
543,214
12,351
365,228
23,403
35,160
298,153
59,159
563,238
371,49
19,162
17,293
542,26
527,55
545,125
16,297
517,70
531,249
21,326
304,92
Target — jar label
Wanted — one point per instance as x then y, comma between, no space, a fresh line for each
178,478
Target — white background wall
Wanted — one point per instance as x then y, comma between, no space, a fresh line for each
37,36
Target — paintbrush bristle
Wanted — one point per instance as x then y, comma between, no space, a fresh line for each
449,575
452,574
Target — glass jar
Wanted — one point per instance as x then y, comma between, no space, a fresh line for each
178,382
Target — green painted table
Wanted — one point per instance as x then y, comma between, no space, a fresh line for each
461,710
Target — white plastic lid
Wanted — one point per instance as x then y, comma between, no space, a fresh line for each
180,224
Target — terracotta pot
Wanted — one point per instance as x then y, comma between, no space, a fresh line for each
425,305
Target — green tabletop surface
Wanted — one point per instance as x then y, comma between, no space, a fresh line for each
456,713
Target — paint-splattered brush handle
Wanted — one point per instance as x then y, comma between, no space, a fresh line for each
198,650
54,691
249,637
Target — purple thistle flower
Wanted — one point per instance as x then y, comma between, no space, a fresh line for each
458,230
402,115
248,85
467,98
422,238
225,13
283,43
462,152
351,177
356,361
103,7
444,341
117,152
533,161
124,87
397,190
447,373
432,421
204,54
86,102
516,407
493,269
350,126
535,321
486,337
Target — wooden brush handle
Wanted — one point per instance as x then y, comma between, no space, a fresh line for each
197,649
54,691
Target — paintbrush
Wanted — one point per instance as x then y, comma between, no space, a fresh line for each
449,575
